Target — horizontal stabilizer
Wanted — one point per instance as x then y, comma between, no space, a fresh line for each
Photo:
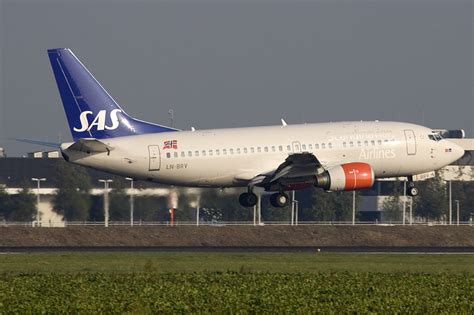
39,142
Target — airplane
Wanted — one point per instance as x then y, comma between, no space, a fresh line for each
336,156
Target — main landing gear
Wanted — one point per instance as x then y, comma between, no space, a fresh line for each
411,189
250,199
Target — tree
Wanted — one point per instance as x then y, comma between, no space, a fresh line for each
119,209
184,211
72,199
150,208
23,205
392,206
219,205
432,203
5,203
329,206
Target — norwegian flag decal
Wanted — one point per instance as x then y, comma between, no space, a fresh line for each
170,144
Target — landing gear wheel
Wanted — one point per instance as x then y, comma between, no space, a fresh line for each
412,191
248,199
279,200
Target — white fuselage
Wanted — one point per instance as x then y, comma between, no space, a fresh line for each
232,157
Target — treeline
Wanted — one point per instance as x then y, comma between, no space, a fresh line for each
432,204
75,202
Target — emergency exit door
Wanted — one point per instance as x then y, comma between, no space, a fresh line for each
296,146
154,157
411,141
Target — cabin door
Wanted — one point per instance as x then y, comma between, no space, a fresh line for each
154,157
411,141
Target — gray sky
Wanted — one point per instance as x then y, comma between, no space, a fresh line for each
241,63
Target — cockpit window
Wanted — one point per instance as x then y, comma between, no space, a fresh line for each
435,137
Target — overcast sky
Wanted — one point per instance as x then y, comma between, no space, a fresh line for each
241,63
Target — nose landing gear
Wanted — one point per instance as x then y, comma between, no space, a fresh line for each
411,189
279,200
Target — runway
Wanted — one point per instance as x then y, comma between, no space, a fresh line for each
323,249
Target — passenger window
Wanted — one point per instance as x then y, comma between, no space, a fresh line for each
252,150
303,146
280,148
379,142
273,148
344,144
265,149
359,143
330,145
351,144
323,146
168,155
288,148
231,151
176,154
224,151
316,146
217,152
366,143
183,154
373,142
310,146
203,152
196,153
238,150
245,150
210,152
190,153
259,149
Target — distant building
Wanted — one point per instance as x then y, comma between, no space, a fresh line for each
44,154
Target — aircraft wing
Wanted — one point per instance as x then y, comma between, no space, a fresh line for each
298,168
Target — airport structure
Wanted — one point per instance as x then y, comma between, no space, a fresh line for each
14,171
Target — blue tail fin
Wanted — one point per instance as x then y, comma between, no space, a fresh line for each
90,110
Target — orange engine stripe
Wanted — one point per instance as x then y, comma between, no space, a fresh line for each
358,175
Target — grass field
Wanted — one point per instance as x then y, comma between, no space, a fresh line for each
141,283
126,262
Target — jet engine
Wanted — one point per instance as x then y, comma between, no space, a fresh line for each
348,176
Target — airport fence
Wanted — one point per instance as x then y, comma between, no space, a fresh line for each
226,223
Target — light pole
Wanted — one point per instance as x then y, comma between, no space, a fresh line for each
259,208
38,181
404,201
132,205
457,211
450,204
353,207
292,208
106,200
296,202
198,205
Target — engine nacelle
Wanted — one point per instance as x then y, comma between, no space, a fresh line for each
349,176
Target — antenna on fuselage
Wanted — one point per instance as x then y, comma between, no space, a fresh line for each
283,123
